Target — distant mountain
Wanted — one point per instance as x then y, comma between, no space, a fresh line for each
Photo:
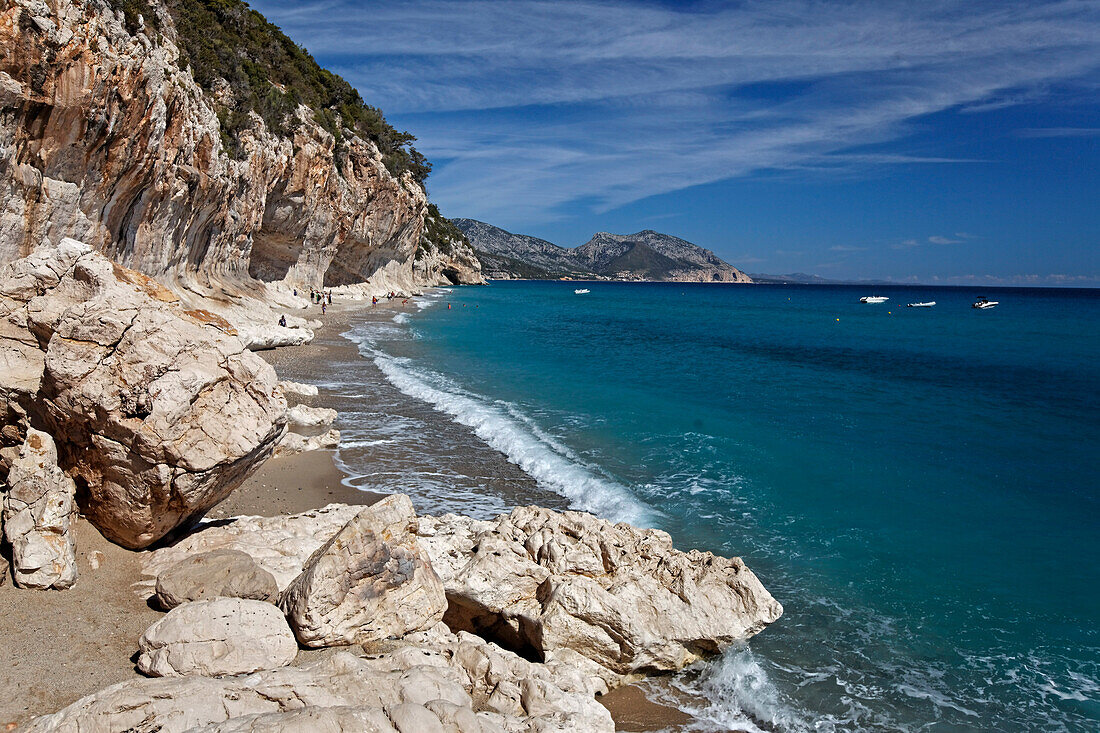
647,255
517,255
797,278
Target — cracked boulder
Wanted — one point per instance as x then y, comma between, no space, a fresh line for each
370,582
38,513
221,636
571,586
158,412
215,574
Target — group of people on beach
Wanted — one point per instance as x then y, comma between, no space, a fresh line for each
388,296
319,297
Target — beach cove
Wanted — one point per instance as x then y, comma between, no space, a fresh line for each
120,581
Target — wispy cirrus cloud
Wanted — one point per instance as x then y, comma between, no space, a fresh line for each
1040,132
1023,280
528,107
959,238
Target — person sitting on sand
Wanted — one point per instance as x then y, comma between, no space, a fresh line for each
282,321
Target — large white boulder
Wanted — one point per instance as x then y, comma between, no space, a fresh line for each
222,636
572,584
38,510
370,582
159,410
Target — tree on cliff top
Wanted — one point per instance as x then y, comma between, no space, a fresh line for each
271,75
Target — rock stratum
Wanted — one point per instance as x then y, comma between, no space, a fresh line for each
106,137
646,255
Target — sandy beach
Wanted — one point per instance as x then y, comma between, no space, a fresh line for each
62,645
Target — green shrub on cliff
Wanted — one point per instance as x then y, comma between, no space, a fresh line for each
271,75
439,233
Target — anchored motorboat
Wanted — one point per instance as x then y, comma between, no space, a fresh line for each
582,291
873,299
927,304
984,302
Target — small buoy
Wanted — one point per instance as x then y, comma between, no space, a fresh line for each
838,320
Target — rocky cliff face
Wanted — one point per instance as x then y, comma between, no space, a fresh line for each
647,255
445,255
104,137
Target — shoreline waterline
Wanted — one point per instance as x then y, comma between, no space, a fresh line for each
631,706
843,461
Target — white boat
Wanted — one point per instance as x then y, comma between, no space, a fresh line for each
927,304
582,291
984,302
873,299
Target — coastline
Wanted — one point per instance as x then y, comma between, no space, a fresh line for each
85,638
272,488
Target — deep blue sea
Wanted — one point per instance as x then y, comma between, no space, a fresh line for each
918,487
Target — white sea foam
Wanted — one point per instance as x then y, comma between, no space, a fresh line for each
739,695
550,464
366,443
401,318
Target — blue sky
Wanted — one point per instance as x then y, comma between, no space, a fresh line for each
936,141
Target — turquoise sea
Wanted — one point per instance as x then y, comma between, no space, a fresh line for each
918,487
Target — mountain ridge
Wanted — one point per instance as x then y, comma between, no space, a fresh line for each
643,255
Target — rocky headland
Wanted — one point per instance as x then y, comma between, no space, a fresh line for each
157,227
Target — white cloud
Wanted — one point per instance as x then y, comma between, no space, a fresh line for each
1026,280
1040,132
528,107
937,239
